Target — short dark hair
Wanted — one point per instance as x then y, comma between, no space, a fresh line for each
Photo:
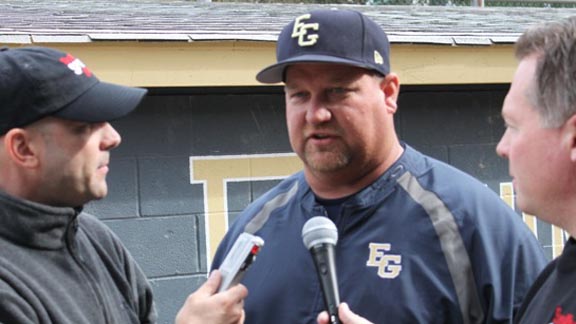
554,44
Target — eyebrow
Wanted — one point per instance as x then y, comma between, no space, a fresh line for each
346,77
288,87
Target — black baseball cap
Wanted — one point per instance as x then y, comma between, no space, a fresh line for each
36,82
330,36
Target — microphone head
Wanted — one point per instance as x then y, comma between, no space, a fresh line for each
319,230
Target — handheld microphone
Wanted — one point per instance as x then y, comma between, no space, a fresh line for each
320,236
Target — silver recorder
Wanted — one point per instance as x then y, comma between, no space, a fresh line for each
238,259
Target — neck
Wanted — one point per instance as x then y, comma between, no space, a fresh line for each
17,184
351,179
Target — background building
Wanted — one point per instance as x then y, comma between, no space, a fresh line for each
208,138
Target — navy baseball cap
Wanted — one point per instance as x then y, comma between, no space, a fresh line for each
330,36
36,82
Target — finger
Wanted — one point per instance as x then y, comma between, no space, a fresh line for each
348,316
345,308
242,318
322,318
345,313
211,285
238,292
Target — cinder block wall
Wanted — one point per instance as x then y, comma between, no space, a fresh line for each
160,215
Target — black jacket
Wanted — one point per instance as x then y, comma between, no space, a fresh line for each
552,298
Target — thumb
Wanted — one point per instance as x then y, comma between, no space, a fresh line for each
348,316
211,285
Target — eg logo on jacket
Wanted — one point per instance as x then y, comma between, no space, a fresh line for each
389,265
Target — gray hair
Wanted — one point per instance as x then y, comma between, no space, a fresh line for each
554,43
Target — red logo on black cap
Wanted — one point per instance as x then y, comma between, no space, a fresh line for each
77,66
560,318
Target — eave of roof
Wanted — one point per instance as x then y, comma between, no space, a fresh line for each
84,21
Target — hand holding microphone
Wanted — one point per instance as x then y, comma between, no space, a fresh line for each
320,236
346,316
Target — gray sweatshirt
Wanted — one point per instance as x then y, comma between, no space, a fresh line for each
58,265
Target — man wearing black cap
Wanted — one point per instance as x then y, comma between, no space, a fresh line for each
418,240
57,264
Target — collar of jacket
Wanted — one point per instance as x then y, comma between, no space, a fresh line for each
35,225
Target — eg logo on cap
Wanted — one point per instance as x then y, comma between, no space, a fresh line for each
301,29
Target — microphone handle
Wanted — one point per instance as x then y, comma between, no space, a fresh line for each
326,268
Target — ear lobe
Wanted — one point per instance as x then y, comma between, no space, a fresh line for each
20,148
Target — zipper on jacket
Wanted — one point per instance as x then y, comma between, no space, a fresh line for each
84,271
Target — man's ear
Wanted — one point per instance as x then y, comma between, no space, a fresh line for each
391,87
22,147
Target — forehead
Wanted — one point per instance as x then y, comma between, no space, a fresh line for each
57,127
522,88
323,71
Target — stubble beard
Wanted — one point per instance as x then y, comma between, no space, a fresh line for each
326,160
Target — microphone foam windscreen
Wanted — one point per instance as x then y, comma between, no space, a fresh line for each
319,230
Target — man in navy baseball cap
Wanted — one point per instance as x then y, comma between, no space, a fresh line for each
330,36
412,230
36,82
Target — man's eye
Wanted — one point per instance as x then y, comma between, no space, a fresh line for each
298,95
83,128
338,91
508,126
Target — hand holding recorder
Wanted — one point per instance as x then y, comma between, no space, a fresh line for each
205,305
220,299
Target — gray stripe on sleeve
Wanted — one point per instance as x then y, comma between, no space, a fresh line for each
262,217
452,245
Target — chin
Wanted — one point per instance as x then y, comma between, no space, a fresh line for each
523,207
100,193
326,162
325,166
